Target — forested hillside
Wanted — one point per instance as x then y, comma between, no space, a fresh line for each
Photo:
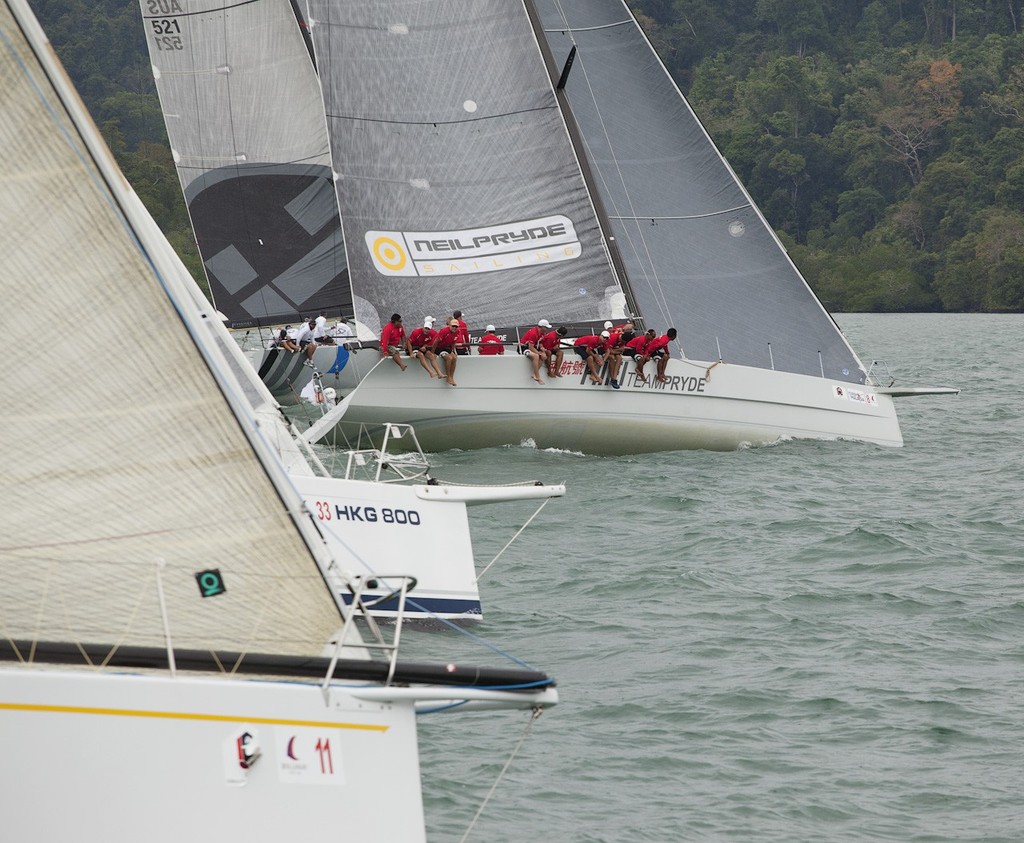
884,140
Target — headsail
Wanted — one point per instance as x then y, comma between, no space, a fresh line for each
242,107
141,463
698,253
457,181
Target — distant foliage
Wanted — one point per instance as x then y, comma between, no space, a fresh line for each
884,140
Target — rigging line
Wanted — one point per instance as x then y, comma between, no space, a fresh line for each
652,277
483,642
588,28
482,117
515,750
688,216
224,8
509,542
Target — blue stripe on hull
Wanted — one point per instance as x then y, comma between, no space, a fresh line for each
419,607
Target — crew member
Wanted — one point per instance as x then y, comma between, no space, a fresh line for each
444,347
491,343
551,344
529,344
420,341
393,341
592,349
657,349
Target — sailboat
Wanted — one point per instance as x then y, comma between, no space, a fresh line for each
169,630
527,161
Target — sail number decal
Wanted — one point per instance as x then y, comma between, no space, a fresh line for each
326,511
491,249
166,30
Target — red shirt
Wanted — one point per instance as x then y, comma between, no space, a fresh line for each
656,343
463,339
592,342
392,335
491,344
615,339
422,337
551,341
639,343
533,335
446,339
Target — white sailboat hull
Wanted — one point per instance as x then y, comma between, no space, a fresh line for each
704,405
89,756
378,529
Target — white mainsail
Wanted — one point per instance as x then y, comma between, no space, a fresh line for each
150,466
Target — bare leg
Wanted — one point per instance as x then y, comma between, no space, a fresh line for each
662,363
613,366
640,360
592,365
398,359
555,364
433,362
535,361
449,361
422,357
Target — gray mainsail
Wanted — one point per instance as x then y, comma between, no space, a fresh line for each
242,107
456,179
698,253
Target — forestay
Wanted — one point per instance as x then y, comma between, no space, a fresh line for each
242,107
139,461
699,255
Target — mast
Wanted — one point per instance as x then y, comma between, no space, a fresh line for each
559,76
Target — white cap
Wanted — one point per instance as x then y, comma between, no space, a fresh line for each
544,323
607,325
428,321
605,334
489,328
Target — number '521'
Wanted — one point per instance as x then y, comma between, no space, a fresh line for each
168,42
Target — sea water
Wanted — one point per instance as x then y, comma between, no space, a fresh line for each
809,641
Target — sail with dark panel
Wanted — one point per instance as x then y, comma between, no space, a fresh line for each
242,107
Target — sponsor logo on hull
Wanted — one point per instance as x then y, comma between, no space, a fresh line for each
858,395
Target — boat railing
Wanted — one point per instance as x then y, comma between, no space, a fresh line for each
369,635
878,372
383,466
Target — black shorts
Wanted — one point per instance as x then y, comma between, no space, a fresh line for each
658,353
629,352
462,351
304,343
582,351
